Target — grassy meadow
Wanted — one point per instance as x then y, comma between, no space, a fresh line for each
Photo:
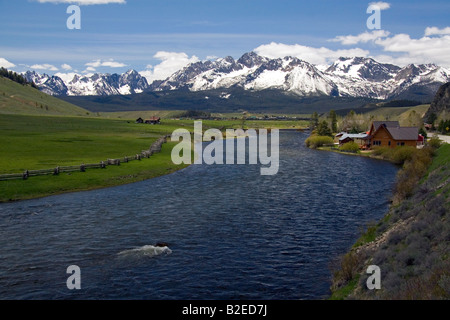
32,142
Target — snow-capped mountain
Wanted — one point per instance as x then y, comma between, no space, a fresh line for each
96,84
251,72
346,77
52,85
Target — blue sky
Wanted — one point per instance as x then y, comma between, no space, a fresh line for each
157,37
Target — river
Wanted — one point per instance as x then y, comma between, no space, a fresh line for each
231,232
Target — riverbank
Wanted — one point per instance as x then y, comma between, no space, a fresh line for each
46,142
409,245
41,186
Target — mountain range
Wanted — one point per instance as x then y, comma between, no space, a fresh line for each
346,77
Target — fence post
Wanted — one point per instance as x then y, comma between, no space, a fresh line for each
102,165
138,156
125,159
56,171
82,168
25,175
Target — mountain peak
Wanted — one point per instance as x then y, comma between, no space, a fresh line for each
251,59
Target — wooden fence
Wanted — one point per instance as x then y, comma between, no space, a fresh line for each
154,148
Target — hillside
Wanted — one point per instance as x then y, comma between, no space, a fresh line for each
19,99
441,101
223,100
409,245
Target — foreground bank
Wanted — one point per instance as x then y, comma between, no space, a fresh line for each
409,245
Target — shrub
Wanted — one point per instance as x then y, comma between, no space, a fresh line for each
318,141
384,152
402,154
434,142
350,147
349,266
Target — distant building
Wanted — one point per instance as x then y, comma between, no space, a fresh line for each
153,120
359,138
139,120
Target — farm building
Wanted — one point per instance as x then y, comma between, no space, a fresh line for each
153,120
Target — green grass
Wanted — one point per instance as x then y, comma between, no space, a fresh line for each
39,142
133,115
343,292
368,236
441,158
18,99
39,186
45,142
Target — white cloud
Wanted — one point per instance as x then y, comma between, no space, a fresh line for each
401,49
65,66
211,57
381,5
170,62
430,31
6,64
362,37
83,2
89,69
44,66
110,63
313,55
423,50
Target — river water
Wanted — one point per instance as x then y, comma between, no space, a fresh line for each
231,232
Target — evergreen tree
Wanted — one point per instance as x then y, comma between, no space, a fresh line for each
324,130
333,118
314,120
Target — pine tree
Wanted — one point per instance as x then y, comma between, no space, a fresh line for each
324,130
333,118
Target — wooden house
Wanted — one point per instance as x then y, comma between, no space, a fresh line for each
390,134
139,120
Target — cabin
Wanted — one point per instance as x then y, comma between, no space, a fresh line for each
153,120
139,120
359,138
390,134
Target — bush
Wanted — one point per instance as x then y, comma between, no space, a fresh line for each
384,152
318,141
434,142
402,154
398,155
350,147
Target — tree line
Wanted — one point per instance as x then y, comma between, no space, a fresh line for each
14,76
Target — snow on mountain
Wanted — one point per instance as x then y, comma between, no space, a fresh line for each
251,72
73,84
352,77
46,83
